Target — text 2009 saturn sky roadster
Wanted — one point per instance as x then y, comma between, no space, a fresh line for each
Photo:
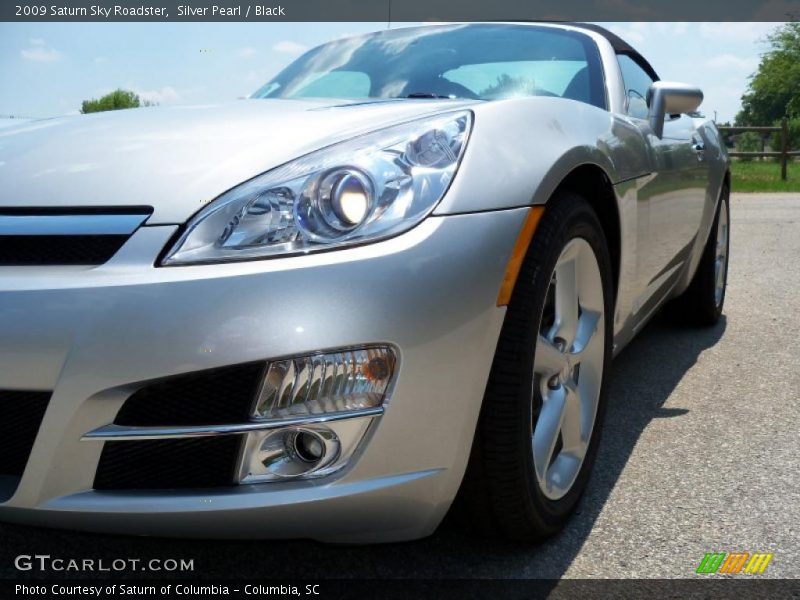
396,274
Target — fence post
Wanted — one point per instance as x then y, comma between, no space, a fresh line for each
784,147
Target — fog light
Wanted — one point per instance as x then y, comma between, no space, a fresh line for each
309,447
301,452
293,452
315,411
335,382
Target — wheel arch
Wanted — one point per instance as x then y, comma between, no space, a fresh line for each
591,181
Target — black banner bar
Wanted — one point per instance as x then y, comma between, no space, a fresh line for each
398,10
461,589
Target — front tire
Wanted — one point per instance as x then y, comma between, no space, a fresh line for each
540,422
702,302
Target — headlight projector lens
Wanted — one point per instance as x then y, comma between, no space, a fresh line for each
345,199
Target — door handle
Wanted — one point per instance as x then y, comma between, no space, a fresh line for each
699,146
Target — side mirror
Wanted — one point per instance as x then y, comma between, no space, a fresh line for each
670,98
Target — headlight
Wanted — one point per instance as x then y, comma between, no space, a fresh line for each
368,188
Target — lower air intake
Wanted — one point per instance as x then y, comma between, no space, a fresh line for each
168,464
22,414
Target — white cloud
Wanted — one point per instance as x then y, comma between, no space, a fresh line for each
40,54
742,34
730,61
673,28
289,47
247,52
166,95
36,42
633,32
100,59
639,31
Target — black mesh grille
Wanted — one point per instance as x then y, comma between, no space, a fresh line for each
28,250
214,397
21,415
168,464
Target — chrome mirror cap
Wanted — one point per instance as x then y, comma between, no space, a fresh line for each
670,98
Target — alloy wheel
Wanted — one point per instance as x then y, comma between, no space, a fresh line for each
568,369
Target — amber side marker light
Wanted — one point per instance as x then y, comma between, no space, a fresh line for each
518,254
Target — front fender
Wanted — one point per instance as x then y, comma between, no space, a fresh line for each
521,149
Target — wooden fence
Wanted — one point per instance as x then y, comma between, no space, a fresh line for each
783,154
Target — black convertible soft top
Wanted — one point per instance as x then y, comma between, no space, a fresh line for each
620,46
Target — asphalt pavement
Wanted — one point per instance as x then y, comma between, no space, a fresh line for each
700,453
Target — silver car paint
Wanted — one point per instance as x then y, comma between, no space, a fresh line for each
93,335
62,330
176,159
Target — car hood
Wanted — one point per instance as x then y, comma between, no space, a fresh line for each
176,159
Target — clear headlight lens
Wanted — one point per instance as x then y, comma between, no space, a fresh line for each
368,188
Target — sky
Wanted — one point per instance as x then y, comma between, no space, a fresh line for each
47,69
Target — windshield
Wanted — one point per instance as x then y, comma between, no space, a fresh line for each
479,61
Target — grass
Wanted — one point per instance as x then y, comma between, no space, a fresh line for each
764,176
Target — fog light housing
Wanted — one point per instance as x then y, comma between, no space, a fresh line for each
343,381
315,411
305,452
292,452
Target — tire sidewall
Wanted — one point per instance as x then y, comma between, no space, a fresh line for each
580,221
724,204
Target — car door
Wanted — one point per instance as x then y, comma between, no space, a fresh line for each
675,212
670,201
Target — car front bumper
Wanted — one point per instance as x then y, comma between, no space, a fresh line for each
86,334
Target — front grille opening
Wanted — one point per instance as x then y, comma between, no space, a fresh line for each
90,236
22,413
31,250
213,397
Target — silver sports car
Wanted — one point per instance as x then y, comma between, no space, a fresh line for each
396,274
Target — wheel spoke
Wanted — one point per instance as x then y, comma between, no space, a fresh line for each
587,328
549,359
571,423
588,387
545,434
566,324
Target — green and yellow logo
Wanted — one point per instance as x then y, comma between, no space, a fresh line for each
735,562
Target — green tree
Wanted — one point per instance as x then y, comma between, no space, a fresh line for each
793,129
115,100
749,141
774,90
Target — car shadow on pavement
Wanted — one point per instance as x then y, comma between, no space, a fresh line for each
642,379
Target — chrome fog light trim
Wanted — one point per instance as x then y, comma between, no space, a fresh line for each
278,455
120,433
